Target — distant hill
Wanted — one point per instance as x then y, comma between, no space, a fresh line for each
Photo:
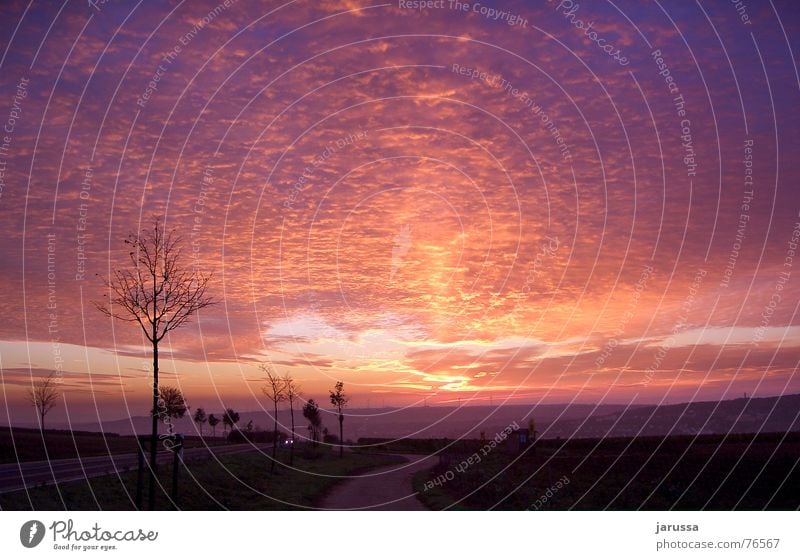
745,415
768,414
419,422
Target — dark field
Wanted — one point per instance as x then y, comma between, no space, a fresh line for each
711,473
235,482
23,444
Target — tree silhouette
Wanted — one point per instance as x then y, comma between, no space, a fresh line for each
274,390
44,396
200,418
171,404
292,391
339,402
213,421
159,293
311,413
229,418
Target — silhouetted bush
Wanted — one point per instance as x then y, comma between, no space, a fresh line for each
330,438
260,436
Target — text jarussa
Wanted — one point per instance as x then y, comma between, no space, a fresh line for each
661,528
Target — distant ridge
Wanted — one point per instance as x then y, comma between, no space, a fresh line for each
742,415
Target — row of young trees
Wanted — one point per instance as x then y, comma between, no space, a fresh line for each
285,389
279,390
159,291
171,405
44,394
229,419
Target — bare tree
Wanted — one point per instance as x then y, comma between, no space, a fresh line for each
200,418
292,392
44,396
159,293
339,402
213,421
274,389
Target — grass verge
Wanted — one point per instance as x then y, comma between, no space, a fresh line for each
234,482
19,445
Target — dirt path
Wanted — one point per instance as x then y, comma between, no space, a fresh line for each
385,488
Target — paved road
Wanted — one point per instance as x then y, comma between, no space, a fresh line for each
385,488
18,476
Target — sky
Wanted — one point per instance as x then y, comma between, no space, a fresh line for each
466,203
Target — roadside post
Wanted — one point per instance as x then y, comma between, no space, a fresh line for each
177,460
141,441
